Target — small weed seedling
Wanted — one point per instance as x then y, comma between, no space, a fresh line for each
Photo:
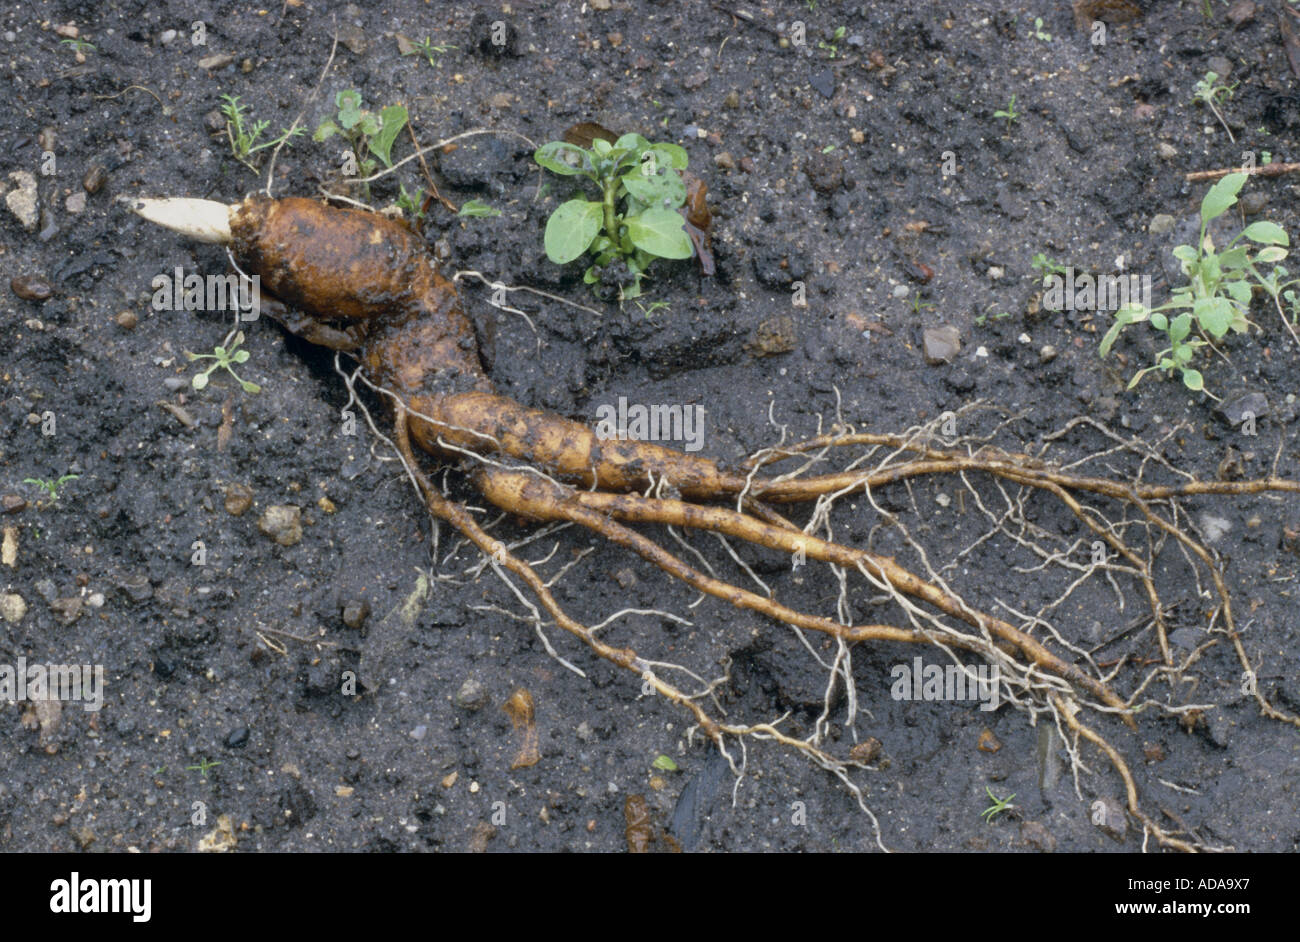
1048,266
918,305
1039,33
1211,94
999,805
204,766
79,46
51,487
412,203
243,137
641,179
1217,295
430,51
983,319
477,209
1009,113
654,306
224,358
833,47
369,135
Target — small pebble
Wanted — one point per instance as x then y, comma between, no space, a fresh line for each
472,695
282,523
239,497
31,288
12,607
355,613
724,161
1161,223
1047,354
76,203
941,344
21,200
1253,203
127,320
167,36
12,503
94,179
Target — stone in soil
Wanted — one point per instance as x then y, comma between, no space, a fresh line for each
941,344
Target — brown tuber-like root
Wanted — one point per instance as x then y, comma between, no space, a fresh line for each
361,282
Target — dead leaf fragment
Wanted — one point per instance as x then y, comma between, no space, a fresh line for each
9,548
520,710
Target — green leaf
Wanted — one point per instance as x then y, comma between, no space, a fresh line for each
239,356
664,763
199,381
1239,291
1193,380
1273,253
670,155
633,145
1266,233
1180,328
1183,353
477,209
393,119
1159,322
1221,196
1186,253
551,156
654,190
369,125
571,228
1233,258
1214,315
660,232
349,105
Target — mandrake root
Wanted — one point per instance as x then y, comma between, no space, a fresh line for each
362,283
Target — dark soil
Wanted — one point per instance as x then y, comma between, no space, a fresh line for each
222,680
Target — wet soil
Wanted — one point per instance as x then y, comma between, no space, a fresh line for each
865,172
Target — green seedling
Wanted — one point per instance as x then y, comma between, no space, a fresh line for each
833,47
654,306
1039,33
223,359
243,136
79,46
1218,292
1048,266
1210,93
665,763
412,203
51,487
999,805
1009,113
634,222
918,305
204,765
430,51
477,209
983,319
369,135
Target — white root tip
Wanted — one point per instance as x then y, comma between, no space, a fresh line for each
202,220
